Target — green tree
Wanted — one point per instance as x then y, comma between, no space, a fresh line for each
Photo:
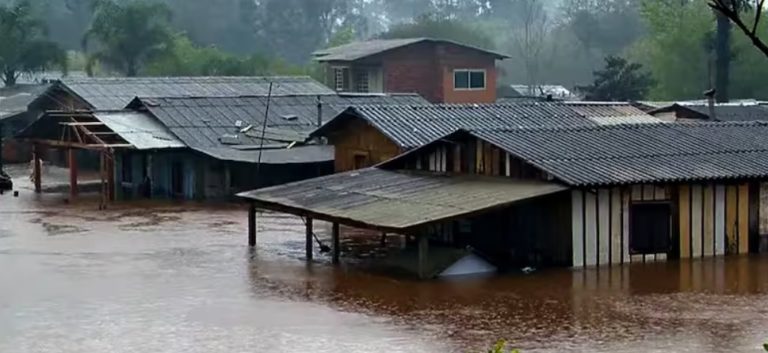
25,46
620,80
184,58
126,36
439,28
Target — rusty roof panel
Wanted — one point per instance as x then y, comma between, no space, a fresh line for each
397,200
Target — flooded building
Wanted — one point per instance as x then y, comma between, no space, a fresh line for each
441,71
201,147
367,135
693,112
578,196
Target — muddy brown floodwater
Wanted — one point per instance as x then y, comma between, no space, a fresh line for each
179,278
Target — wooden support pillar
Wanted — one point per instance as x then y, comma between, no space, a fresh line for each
252,225
72,162
37,168
383,239
336,243
309,239
111,188
423,255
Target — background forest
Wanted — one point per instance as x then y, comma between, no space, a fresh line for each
550,41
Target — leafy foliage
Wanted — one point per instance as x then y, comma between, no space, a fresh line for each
620,80
439,28
126,36
501,347
25,47
184,58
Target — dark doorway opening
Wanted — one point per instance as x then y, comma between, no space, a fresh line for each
177,179
362,161
650,227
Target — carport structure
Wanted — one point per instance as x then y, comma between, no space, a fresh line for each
399,202
103,132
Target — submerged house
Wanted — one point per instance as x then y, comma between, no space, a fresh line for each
367,135
441,71
574,196
14,117
200,147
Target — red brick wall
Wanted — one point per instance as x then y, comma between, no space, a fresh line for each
427,69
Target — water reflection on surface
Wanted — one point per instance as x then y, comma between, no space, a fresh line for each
160,278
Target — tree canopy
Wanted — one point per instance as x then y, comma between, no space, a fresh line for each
126,36
25,45
620,80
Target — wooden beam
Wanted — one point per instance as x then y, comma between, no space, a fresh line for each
78,123
72,161
336,243
309,238
252,225
67,144
423,255
37,169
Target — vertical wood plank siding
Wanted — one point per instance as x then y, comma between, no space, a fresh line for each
708,218
719,222
684,204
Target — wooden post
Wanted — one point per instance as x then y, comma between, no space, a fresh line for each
383,239
423,255
252,225
111,185
309,239
72,161
336,243
37,166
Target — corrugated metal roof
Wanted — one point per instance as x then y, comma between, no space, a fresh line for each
112,93
359,50
14,100
733,112
397,200
413,126
140,130
628,154
612,113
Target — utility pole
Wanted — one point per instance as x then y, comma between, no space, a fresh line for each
722,56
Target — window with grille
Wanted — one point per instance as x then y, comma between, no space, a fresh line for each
362,81
341,78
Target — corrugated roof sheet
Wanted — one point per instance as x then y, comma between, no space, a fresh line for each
112,93
628,154
14,100
413,126
140,130
612,113
733,112
398,200
359,50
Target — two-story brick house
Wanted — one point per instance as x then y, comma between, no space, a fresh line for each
441,71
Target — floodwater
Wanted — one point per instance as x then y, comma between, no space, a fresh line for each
180,278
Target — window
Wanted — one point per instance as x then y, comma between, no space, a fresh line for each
341,78
650,227
362,79
469,80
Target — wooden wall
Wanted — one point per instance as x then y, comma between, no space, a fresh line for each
361,139
714,219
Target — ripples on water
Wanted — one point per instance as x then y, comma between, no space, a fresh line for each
158,278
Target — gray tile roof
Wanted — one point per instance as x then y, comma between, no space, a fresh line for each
139,129
396,200
411,126
359,50
733,112
626,154
112,93
211,123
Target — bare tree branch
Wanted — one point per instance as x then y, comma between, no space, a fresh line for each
730,9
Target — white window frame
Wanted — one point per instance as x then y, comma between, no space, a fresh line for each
469,79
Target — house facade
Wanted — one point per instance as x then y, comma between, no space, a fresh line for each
439,70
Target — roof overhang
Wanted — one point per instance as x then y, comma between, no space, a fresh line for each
396,201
